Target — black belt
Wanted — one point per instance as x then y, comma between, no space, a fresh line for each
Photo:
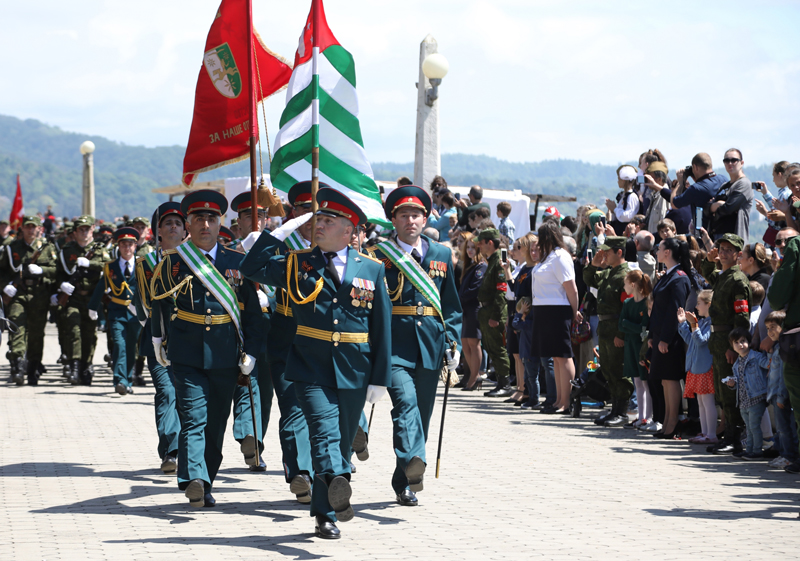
721,328
606,317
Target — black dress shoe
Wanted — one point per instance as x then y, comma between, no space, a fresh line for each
248,449
499,392
721,448
360,442
415,470
327,529
548,410
260,466
616,421
339,493
352,468
407,498
301,487
121,389
209,501
195,492
169,464
601,419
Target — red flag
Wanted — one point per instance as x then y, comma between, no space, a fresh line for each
15,220
220,131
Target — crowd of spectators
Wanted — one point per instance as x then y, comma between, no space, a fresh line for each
692,323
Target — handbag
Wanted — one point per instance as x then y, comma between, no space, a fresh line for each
580,332
789,347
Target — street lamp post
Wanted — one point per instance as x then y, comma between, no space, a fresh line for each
87,202
432,68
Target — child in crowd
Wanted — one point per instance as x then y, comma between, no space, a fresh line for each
505,226
750,380
757,298
522,323
667,229
632,320
699,371
778,397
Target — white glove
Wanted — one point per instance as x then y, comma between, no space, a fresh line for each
35,269
93,315
246,366
54,300
132,309
82,262
283,232
375,393
161,352
67,288
250,240
10,290
263,300
453,360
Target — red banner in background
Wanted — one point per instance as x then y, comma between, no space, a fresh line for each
17,210
220,130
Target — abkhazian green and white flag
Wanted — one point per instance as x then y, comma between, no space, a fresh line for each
322,111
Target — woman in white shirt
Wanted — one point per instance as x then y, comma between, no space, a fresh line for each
555,307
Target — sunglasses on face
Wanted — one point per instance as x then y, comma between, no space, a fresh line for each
780,242
731,160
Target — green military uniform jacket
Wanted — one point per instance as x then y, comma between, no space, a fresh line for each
785,289
84,279
730,306
334,362
610,285
144,249
15,258
492,292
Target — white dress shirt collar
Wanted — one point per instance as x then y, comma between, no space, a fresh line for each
420,247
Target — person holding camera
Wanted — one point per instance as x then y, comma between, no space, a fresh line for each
706,185
730,207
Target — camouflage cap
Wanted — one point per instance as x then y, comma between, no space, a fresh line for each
613,242
141,219
732,239
31,220
489,234
84,220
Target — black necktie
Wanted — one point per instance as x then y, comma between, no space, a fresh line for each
332,269
127,269
210,259
415,254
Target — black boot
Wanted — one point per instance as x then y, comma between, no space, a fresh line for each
74,371
17,374
603,417
33,373
138,369
619,414
86,373
502,389
728,443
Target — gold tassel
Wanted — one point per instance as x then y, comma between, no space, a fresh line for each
270,200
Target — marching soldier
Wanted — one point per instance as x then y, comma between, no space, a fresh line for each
171,230
493,314
142,225
79,267
5,232
214,336
27,270
225,236
341,353
260,379
610,285
729,309
426,321
119,284
61,325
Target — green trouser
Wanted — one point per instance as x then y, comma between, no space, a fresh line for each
81,331
611,361
63,336
725,396
791,376
493,340
29,312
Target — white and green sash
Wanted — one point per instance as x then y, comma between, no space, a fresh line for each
152,259
413,272
213,280
295,242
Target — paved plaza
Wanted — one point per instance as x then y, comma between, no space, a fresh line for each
79,479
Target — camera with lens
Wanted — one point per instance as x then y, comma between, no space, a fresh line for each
687,173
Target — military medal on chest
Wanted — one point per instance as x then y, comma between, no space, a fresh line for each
363,292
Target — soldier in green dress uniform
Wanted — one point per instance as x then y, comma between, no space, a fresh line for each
27,271
729,308
79,268
610,285
426,323
215,334
341,353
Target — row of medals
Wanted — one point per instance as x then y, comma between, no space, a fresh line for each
437,269
362,297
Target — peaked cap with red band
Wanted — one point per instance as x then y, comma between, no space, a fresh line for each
225,232
241,203
300,193
204,200
126,233
407,195
164,210
332,203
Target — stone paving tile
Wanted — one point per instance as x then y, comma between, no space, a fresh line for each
80,480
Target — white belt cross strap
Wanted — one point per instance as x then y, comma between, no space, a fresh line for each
214,282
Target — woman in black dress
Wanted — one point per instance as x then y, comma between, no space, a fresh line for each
473,268
668,362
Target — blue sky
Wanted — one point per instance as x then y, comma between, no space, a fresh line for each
529,80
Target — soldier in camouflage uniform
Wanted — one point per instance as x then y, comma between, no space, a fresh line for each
730,308
27,270
80,264
493,313
142,225
62,239
610,285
